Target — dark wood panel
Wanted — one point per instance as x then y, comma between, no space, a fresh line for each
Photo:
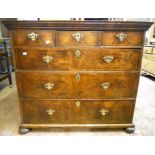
108,85
98,59
35,59
32,85
78,59
44,38
86,38
72,85
67,112
37,111
131,39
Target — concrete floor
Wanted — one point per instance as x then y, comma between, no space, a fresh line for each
144,117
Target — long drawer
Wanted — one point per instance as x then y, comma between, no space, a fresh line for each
77,112
78,59
70,85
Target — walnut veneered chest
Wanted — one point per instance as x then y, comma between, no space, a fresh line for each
77,73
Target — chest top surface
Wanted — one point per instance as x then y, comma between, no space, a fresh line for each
79,25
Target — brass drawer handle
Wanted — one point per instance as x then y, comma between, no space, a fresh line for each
77,77
121,36
47,59
103,112
50,112
108,58
77,103
105,85
77,36
77,53
33,36
48,86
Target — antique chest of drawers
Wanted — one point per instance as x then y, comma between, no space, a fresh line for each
77,73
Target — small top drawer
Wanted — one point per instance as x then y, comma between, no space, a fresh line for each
76,38
33,37
119,38
147,50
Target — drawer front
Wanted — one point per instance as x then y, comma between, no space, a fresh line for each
119,38
76,38
149,57
33,38
44,112
107,59
69,112
74,85
78,59
153,50
35,59
108,85
148,66
46,85
147,50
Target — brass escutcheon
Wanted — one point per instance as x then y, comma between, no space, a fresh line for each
47,59
108,58
105,85
33,36
104,112
77,77
50,112
121,36
77,53
77,103
48,86
77,36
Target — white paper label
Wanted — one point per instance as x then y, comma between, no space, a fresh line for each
24,53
